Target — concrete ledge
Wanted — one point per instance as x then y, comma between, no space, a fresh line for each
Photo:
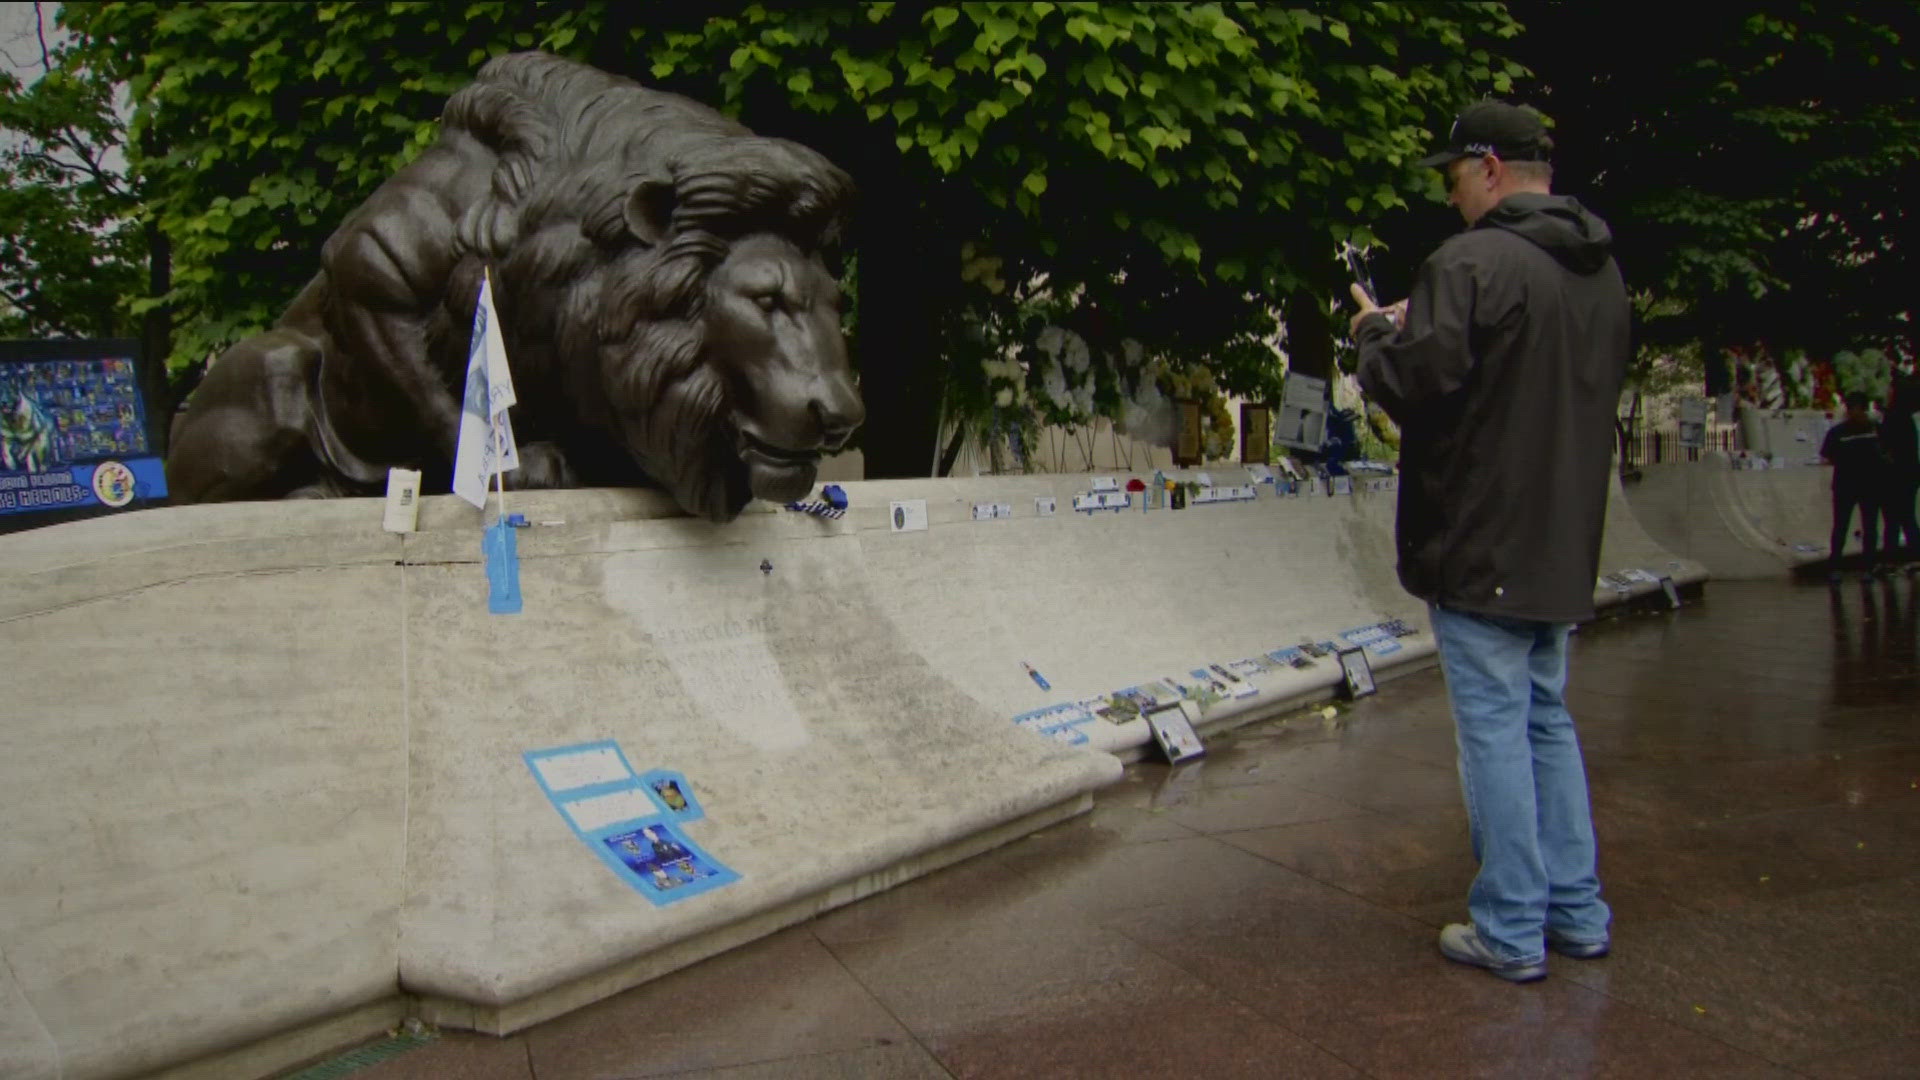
565,998
264,778
1740,523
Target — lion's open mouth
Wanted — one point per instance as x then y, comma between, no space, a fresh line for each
751,444
775,473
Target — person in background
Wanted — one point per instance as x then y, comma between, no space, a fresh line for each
1503,369
1852,447
1900,441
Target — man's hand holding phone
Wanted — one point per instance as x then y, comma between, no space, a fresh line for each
1396,311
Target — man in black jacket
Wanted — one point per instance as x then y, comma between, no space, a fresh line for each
1503,370
1900,440
1860,470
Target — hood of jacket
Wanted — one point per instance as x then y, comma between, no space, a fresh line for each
1557,224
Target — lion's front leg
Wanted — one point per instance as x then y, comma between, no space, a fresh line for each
542,465
388,269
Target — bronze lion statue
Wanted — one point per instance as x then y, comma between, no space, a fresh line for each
660,277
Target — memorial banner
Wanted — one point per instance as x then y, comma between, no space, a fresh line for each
73,431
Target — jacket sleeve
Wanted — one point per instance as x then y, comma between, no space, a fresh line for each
1430,357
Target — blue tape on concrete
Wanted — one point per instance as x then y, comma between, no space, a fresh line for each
502,549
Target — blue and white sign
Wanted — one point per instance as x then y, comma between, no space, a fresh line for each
630,821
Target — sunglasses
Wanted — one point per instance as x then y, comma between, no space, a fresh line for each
1454,173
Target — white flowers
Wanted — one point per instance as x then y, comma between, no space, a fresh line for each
1008,380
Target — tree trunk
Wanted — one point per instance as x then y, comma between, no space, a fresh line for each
156,342
897,345
1309,336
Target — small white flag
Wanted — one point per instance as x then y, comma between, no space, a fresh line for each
486,435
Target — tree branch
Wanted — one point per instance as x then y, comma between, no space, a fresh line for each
27,303
91,163
40,30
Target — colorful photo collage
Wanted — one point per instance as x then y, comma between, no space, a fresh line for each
1381,638
1624,580
60,412
634,822
1206,687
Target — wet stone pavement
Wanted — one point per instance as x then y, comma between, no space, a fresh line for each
1271,910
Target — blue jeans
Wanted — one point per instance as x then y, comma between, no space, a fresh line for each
1524,782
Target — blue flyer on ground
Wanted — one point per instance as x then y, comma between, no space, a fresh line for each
664,865
629,821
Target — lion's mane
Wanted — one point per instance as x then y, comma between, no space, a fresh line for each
617,320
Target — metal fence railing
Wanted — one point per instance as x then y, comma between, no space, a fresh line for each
1655,446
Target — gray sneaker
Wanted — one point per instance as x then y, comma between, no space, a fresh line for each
1578,950
1461,944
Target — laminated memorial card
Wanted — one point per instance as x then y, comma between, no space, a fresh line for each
908,515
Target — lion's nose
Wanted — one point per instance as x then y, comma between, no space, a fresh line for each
837,413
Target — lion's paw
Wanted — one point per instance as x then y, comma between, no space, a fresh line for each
542,465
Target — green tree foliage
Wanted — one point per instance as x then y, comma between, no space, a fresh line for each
71,251
1160,173
1760,168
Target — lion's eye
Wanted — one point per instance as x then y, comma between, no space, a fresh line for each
768,302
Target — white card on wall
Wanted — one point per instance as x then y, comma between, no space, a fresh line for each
908,515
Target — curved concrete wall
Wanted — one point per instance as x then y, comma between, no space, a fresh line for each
261,764
1741,523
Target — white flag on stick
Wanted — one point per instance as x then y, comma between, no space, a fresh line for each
486,435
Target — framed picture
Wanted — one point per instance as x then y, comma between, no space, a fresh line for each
1186,442
1358,671
1256,434
1173,732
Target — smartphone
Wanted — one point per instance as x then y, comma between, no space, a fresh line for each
1357,266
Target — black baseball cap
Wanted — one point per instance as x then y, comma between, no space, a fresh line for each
1508,132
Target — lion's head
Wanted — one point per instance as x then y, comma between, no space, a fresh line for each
667,266
740,395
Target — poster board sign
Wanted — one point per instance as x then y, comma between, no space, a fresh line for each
1302,423
74,436
1693,423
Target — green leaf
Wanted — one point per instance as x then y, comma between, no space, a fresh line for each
1036,182
943,17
